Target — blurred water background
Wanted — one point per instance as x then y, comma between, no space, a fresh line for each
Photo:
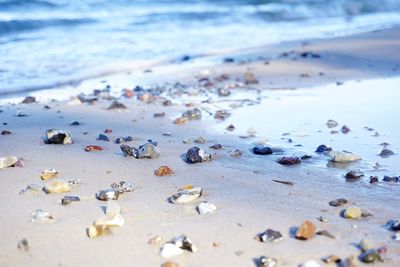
43,43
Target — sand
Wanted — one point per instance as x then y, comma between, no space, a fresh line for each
248,201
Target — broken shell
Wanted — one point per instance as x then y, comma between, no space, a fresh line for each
41,216
206,207
8,161
163,171
185,196
270,235
370,256
197,155
122,187
338,156
69,199
267,262
55,136
57,186
96,231
185,243
49,174
108,194
170,250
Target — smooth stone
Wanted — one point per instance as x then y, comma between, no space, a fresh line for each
338,202
41,216
331,259
352,212
103,137
108,194
29,100
262,150
395,226
197,155
354,174
270,236
365,245
386,152
305,231
323,149
311,263
59,137
396,237
289,160
393,179
331,123
69,199
338,156
74,123
186,196
163,171
370,256
49,174
116,105
56,186
148,151
206,207
267,262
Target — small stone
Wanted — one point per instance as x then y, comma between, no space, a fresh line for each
230,127
185,196
311,263
373,179
250,78
163,171
148,151
194,114
348,262
55,136
103,137
108,194
365,245
323,149
170,264
95,231
267,262
5,132
170,250
29,100
74,123
120,140
270,236
41,216
331,123
23,245
394,226
239,252
345,129
391,179
305,231
181,120
354,174
370,256
21,113
224,92
325,233
56,186
262,150
123,187
352,212
338,202
93,148
216,244
159,115
331,259
396,237
206,207
155,240
322,219
200,140
49,174
69,199
216,146
116,105
289,160
236,152
107,131
386,152
222,115
129,151
197,155
338,156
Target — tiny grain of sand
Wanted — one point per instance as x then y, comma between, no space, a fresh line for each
248,200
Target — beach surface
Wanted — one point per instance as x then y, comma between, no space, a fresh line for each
280,96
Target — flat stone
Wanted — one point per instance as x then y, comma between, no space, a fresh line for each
338,202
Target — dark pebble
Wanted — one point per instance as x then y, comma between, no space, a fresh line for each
262,150
103,137
5,132
216,146
345,129
393,179
338,202
74,123
373,179
129,151
385,153
69,199
116,105
289,160
323,148
29,100
353,175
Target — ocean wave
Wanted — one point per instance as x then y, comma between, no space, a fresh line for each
15,26
18,4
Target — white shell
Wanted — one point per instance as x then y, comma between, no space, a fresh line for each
113,216
339,156
206,207
7,161
170,250
311,263
185,196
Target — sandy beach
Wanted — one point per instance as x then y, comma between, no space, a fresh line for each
280,96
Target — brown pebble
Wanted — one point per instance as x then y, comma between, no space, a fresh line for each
331,259
305,231
289,160
216,244
155,240
23,245
163,171
170,264
181,120
345,129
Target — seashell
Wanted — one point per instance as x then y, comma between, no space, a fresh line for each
8,161
206,207
185,243
170,250
122,187
185,196
197,155
370,256
267,262
57,186
108,194
96,231
49,174
163,171
311,263
55,136
69,199
41,216
107,221
338,156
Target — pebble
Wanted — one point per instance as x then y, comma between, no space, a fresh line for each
41,216
262,150
129,151
354,174
216,146
103,137
370,256
222,115
331,123
267,262
155,240
352,212
120,140
391,179
365,245
21,113
185,196
170,264
236,153
108,194
396,237
206,207
60,137
194,114
49,174
305,231
373,179
177,247
93,148
386,152
250,78
394,226
181,120
159,114
270,236
23,245
331,259
29,100
75,123
116,105
325,233
338,156
163,171
230,127
6,132
345,129
310,263
170,250
148,151
56,186
200,140
289,160
69,199
123,187
338,202
197,155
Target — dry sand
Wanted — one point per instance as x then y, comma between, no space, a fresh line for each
248,200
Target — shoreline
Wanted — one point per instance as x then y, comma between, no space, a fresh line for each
242,187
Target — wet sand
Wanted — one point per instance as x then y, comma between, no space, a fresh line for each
242,188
